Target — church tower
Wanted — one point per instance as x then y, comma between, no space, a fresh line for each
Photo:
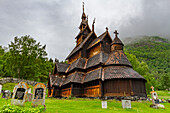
116,43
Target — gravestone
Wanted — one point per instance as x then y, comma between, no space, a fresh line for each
20,94
39,93
104,104
126,104
0,89
6,94
154,95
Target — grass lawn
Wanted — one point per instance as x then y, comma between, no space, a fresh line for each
80,105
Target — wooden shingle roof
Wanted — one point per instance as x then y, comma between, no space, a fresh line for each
93,75
78,64
77,48
97,59
61,67
76,77
118,57
113,72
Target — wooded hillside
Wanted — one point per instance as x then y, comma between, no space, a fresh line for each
155,51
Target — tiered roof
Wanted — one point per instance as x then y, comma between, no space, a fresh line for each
103,66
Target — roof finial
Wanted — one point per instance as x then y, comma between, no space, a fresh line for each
93,24
83,7
106,29
116,33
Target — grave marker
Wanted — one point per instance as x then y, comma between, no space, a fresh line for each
126,104
20,94
155,100
39,93
104,104
6,94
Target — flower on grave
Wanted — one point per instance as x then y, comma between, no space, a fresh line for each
44,107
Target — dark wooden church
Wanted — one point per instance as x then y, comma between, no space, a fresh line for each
97,67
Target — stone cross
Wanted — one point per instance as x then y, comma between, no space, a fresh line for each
152,88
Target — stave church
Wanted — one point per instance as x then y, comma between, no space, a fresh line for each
97,67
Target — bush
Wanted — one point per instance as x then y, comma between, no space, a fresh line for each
16,109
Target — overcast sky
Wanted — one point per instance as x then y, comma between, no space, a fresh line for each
55,22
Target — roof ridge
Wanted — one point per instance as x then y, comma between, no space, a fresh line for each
80,45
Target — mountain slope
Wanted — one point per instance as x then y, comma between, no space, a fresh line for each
153,50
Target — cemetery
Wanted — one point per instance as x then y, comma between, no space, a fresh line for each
97,76
72,104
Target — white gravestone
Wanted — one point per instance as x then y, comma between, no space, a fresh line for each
0,89
104,104
20,94
126,104
39,93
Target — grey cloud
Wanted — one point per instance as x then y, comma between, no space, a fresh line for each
55,22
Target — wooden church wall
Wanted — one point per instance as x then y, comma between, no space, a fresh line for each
56,92
86,45
138,87
74,57
92,89
66,90
77,90
124,87
94,50
106,45
116,47
117,88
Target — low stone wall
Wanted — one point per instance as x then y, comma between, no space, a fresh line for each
16,80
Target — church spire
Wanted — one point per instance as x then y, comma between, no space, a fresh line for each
83,17
84,21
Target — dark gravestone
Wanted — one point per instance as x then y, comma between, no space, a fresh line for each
20,93
6,94
39,93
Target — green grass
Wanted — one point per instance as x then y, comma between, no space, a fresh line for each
80,105
93,106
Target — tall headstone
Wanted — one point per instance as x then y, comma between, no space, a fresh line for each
155,100
39,93
0,89
20,94
154,95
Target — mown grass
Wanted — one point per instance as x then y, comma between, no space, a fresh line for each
81,105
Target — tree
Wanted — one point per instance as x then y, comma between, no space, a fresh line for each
26,58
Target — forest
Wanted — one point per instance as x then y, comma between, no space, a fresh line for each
26,58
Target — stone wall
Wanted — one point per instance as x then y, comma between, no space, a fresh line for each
16,80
